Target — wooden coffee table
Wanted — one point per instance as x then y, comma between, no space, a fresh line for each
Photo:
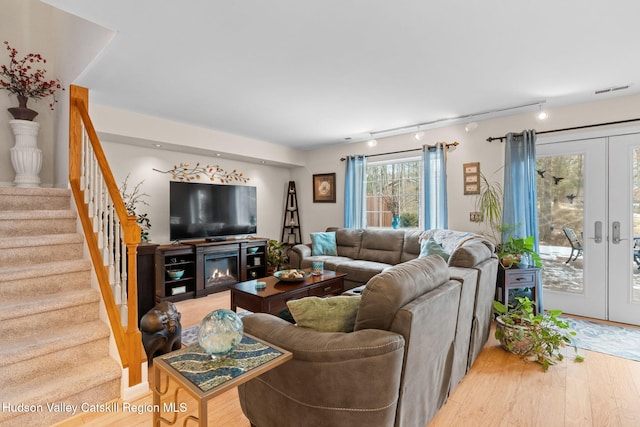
273,299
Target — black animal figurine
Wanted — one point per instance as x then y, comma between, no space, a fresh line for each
161,330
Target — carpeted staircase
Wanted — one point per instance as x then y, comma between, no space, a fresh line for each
53,347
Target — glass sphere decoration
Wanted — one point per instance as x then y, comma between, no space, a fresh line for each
220,333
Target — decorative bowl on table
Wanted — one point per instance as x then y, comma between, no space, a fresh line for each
175,274
292,275
220,333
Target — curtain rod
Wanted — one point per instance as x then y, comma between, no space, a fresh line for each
453,144
502,138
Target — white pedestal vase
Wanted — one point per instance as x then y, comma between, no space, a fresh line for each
26,157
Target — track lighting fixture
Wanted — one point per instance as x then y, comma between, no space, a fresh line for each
470,127
418,133
542,115
372,141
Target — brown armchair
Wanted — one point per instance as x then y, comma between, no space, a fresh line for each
393,370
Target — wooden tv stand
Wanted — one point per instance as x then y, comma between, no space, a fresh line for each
247,259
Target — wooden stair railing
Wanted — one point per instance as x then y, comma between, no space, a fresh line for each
112,235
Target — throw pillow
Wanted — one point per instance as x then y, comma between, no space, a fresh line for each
331,314
324,243
431,247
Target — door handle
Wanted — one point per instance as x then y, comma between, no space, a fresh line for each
597,232
615,233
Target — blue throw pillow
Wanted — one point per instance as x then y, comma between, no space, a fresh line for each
431,247
324,243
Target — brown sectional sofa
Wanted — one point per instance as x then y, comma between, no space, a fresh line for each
363,253
421,324
392,370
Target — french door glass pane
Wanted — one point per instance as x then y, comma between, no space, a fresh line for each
560,192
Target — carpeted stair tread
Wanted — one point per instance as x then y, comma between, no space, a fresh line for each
10,273
35,191
36,214
61,386
36,223
33,280
43,240
53,346
30,250
20,198
46,303
48,341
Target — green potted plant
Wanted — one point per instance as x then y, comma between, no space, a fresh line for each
276,255
489,204
538,337
512,251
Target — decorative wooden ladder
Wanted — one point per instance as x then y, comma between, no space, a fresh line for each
291,231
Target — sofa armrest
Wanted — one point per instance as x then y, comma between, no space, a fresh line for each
313,346
470,255
297,253
334,379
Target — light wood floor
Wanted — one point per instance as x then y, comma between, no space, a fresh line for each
499,390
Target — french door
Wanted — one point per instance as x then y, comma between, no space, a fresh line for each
591,187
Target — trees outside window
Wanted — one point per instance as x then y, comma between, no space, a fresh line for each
393,189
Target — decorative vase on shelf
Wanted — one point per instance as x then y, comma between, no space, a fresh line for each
220,333
26,157
21,112
395,222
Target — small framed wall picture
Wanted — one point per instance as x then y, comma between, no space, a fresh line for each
324,188
471,178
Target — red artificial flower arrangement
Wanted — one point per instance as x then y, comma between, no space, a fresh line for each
25,78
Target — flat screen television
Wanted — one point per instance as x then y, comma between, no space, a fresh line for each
211,211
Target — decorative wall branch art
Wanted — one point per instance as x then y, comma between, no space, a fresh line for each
186,172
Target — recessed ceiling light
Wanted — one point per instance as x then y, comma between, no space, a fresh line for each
418,135
372,143
157,145
218,154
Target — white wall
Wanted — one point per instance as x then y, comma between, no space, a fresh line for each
69,44
32,26
141,129
473,148
139,162
271,181
26,25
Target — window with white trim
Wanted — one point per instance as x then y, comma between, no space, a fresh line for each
393,190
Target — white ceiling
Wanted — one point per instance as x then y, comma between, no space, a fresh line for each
304,73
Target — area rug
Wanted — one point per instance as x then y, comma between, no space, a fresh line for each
608,339
190,336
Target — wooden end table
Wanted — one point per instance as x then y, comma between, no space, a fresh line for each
204,378
518,277
273,299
